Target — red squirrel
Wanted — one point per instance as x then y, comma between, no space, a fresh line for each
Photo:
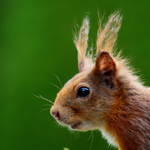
105,94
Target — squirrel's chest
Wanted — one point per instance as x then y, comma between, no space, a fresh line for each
110,137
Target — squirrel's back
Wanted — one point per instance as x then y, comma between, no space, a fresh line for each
105,94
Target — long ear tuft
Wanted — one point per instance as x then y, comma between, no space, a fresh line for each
106,37
81,43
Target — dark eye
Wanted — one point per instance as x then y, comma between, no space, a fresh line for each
83,92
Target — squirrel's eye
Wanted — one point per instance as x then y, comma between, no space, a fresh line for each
83,92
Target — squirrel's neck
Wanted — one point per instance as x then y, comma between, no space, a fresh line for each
128,123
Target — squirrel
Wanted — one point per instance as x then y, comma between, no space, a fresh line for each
105,94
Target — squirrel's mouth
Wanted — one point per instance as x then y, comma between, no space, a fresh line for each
75,126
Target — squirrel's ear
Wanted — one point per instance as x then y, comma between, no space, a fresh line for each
104,64
81,43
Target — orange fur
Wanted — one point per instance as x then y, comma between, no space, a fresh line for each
105,94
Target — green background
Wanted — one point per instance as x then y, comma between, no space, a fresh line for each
35,40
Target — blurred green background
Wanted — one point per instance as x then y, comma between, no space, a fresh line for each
35,40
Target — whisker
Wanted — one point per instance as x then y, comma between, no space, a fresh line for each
76,134
48,105
41,97
92,138
57,78
55,85
44,110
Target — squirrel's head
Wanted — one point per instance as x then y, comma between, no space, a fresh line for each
85,100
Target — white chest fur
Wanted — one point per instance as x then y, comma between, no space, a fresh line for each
111,139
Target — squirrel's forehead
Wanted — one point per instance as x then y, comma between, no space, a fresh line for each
79,77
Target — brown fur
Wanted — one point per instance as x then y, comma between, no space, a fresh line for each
118,104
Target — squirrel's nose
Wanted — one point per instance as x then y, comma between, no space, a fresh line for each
55,114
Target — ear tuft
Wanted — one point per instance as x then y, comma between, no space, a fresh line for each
104,64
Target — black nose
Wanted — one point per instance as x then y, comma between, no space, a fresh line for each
55,114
